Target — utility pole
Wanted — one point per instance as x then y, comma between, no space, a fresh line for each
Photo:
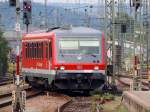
136,85
146,29
46,16
0,19
110,36
19,97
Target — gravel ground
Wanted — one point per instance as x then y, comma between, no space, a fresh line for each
41,103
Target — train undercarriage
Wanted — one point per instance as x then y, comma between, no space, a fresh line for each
70,81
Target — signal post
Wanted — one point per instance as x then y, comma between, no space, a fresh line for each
18,96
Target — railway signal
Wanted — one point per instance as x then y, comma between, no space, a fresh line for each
135,3
12,3
27,16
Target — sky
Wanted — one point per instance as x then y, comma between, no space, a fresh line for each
70,1
66,1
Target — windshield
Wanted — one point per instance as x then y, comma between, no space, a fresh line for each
79,51
76,47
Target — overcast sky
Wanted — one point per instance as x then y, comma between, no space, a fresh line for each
70,1
66,1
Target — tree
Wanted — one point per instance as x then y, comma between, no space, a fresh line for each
4,50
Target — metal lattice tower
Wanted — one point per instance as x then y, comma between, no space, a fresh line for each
137,76
109,34
146,29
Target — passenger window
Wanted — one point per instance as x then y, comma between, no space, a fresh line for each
50,50
26,49
32,50
28,52
42,50
47,50
37,50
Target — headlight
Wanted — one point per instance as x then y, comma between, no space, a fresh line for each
62,68
96,68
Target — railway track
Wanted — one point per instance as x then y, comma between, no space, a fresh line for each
77,104
126,81
6,82
6,93
6,99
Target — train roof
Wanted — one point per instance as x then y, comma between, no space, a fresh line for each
71,32
76,31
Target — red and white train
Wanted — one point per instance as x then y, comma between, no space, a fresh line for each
71,58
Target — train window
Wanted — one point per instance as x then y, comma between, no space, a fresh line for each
28,52
89,43
42,50
47,50
39,50
89,47
50,50
33,50
36,50
69,44
30,49
26,49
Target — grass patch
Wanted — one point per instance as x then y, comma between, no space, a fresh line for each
107,103
105,97
114,106
108,96
121,109
99,100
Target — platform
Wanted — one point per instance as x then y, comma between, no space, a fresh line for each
137,101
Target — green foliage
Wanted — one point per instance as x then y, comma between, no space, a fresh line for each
103,97
108,96
11,68
4,49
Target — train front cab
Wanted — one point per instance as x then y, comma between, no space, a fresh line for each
79,63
